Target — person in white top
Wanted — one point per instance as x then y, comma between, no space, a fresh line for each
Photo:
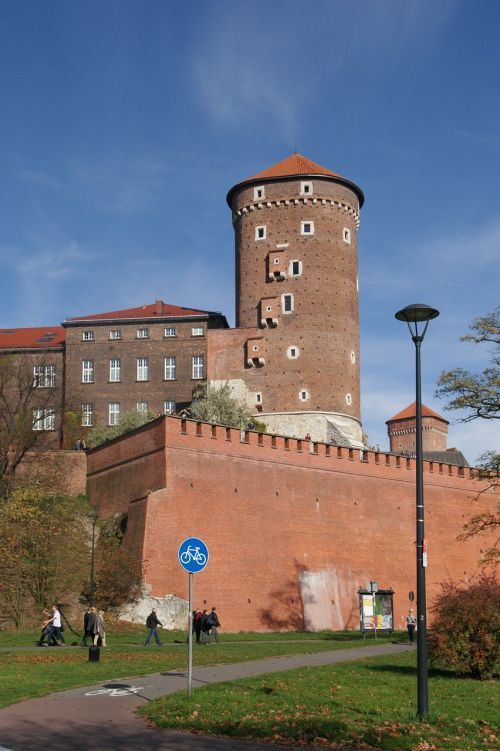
56,623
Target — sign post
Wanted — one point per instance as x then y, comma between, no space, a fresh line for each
193,557
373,587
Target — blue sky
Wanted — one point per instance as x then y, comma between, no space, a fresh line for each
124,124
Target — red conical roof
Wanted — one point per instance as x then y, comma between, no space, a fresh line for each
411,411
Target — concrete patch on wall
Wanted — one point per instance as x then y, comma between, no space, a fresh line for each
171,610
326,594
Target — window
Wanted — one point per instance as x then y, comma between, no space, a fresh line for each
143,368
170,368
142,408
346,235
88,336
260,232
293,352
306,189
287,303
87,371
142,334
198,331
295,268
44,376
258,397
170,331
44,419
115,370
259,193
87,415
198,370
169,407
348,399
114,413
115,334
303,395
353,357
307,228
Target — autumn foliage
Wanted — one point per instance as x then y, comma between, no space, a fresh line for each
465,634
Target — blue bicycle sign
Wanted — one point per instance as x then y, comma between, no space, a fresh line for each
193,555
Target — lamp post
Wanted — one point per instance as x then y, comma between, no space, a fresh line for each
93,521
417,317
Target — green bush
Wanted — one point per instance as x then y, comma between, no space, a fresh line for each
465,634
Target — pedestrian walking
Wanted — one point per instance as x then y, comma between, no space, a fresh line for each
47,631
152,623
215,624
56,625
205,628
411,623
198,615
99,629
88,626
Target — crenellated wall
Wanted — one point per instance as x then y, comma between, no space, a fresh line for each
293,527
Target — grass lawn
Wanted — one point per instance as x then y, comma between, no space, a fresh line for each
370,702
28,673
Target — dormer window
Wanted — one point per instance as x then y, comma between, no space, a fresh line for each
307,228
88,336
259,193
260,232
306,188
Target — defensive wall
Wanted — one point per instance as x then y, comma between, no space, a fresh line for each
294,528
56,471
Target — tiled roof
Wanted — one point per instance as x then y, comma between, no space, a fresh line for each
295,165
158,309
35,338
411,411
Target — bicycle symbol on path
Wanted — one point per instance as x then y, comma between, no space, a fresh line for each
193,555
121,691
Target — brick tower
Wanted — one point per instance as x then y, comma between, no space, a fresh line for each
402,428
297,296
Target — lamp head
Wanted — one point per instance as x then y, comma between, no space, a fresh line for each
417,313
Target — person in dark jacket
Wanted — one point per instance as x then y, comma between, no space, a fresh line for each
89,619
152,623
198,615
215,624
205,628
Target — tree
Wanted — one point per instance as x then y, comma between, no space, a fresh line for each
217,405
479,395
21,403
128,422
44,550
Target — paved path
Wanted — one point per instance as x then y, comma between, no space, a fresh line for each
102,717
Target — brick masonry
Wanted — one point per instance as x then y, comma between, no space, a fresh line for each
293,528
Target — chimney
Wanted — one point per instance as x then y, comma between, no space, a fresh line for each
158,307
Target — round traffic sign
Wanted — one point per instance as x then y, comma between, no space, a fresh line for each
193,555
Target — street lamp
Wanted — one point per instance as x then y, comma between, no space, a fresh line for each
417,317
93,521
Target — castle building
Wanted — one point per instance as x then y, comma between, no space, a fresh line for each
294,355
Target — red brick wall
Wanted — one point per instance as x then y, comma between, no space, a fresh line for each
292,534
59,471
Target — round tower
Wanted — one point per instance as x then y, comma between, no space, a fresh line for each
297,290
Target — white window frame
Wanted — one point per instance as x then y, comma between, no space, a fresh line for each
115,334
113,413
170,368
306,188
115,370
169,407
259,192
170,331
260,232
44,419
142,333
87,415
44,376
142,370
290,268
197,331
293,349
198,367
303,228
346,235
258,397
353,357
88,336
142,408
87,371
348,399
285,296
304,395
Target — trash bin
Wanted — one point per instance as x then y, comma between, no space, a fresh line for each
94,654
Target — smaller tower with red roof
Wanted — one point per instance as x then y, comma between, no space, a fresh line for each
401,429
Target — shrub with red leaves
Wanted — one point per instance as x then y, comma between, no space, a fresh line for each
465,633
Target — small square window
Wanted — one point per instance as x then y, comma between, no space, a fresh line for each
303,395
292,352
142,334
115,334
307,228
260,232
169,407
346,235
259,193
306,188
142,408
170,331
88,336
197,331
